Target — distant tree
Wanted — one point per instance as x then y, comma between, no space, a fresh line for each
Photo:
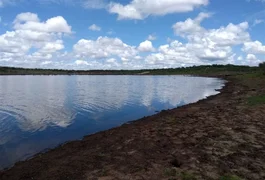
262,66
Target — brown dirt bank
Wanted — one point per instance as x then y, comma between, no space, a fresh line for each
220,137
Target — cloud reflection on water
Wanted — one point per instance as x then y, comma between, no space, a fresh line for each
38,112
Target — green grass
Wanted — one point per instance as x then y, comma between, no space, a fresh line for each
252,79
256,100
251,75
230,177
187,176
170,172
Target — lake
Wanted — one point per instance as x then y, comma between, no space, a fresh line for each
41,112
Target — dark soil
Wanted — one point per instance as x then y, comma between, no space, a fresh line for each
220,137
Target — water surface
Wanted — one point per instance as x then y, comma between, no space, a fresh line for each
40,112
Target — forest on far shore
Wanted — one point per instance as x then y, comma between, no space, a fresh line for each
193,70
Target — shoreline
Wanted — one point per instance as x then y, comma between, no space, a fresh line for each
185,141
218,91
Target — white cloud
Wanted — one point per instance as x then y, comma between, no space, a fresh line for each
30,21
94,27
175,53
204,46
252,60
46,62
190,25
103,47
211,45
33,41
26,17
146,46
151,37
36,43
230,35
255,47
51,47
224,36
81,62
140,9
251,57
111,60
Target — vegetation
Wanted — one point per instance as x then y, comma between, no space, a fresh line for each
187,176
230,177
262,66
202,70
170,172
256,100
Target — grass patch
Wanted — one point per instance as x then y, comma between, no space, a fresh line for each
252,75
187,176
230,177
256,100
170,172
252,80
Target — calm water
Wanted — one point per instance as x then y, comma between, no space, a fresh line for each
40,112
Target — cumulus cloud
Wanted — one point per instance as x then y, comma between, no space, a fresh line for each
81,62
33,40
141,9
173,54
251,60
94,27
255,47
224,36
103,47
111,60
204,46
251,57
146,46
26,17
51,47
30,21
190,25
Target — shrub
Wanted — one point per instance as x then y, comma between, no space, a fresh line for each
262,66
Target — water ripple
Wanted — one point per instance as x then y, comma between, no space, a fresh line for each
39,112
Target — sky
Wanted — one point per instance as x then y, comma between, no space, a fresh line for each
131,34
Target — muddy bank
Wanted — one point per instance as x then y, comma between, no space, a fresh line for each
213,138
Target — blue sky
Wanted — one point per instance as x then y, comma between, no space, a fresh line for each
131,34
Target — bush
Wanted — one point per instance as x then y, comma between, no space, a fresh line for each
262,65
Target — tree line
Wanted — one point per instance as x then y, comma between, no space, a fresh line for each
193,70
